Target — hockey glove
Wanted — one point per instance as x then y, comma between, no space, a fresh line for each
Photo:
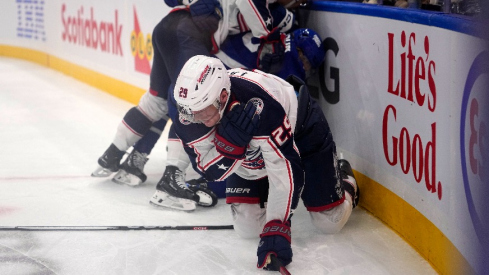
206,14
236,130
271,52
272,63
275,239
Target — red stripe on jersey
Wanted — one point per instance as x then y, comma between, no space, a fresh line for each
202,138
243,27
223,177
131,129
289,172
145,114
259,16
215,47
253,81
199,160
199,155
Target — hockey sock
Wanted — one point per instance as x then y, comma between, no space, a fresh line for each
148,141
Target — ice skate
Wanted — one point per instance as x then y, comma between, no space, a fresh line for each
172,191
163,199
349,181
131,170
109,162
207,198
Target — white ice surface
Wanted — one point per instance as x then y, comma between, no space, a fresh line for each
52,130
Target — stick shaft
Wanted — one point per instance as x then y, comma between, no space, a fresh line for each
114,227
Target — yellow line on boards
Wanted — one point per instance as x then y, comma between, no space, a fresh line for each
412,226
108,84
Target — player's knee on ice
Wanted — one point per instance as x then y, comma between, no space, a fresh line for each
248,219
331,221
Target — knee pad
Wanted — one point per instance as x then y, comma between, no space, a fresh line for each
153,107
332,221
248,219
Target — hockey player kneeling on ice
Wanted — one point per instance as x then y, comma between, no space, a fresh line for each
193,27
240,125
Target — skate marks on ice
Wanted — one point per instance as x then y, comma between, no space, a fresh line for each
365,246
94,202
57,129
16,256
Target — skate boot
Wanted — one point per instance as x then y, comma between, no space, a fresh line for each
172,191
109,162
348,180
207,198
131,172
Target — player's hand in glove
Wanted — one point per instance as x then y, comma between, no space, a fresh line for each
206,14
272,62
236,130
275,239
271,52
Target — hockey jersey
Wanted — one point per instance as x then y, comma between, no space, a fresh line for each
238,51
271,152
245,16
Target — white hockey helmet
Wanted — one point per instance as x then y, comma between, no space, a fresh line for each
199,85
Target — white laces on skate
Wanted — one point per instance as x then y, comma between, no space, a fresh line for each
180,179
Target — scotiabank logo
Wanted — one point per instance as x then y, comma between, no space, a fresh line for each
415,83
84,29
141,47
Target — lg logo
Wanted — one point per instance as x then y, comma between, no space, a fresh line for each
333,96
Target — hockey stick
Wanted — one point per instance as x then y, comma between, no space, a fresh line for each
114,227
274,264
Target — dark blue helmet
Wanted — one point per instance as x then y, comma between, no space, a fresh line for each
311,45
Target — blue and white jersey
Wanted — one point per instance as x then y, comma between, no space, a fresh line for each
272,151
238,51
246,16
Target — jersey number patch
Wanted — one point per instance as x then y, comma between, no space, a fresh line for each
283,132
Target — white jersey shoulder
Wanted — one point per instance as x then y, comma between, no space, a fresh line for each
235,13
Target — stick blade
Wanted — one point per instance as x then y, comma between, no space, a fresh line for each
276,265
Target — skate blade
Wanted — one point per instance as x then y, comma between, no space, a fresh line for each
204,198
101,172
163,199
122,177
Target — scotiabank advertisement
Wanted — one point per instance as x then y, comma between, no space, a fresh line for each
404,102
109,37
